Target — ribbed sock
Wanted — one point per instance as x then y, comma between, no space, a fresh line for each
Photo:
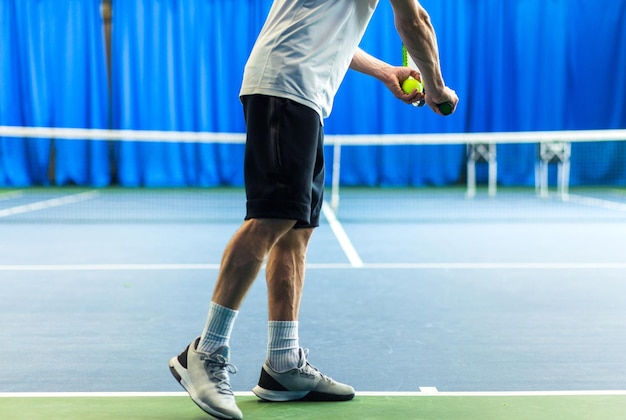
218,327
283,348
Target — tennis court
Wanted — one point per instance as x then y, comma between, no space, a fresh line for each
466,268
431,304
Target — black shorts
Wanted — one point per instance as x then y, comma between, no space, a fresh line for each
284,160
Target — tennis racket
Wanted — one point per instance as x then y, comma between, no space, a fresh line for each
446,107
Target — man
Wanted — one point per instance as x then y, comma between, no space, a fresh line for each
294,70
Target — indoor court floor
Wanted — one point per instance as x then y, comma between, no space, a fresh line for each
432,305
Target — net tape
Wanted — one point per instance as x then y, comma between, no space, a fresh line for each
368,139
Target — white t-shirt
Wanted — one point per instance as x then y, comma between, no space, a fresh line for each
304,50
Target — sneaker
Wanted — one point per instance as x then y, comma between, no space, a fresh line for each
205,377
302,383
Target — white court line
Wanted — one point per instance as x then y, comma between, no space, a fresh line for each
11,195
330,266
107,267
496,266
341,236
358,394
436,393
597,202
91,394
46,204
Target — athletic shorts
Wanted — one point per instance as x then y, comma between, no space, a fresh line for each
284,160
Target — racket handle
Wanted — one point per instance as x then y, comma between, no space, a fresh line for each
445,108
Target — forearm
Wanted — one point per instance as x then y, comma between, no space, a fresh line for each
367,64
418,35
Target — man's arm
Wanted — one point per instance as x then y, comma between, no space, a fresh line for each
418,36
391,76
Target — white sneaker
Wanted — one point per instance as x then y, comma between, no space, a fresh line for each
302,383
205,377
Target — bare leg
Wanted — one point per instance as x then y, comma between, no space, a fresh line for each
285,274
244,256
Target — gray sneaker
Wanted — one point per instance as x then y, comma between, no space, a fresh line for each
205,377
303,383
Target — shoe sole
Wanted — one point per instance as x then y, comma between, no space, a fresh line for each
180,374
282,396
270,389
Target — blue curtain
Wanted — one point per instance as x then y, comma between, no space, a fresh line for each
517,65
177,66
53,73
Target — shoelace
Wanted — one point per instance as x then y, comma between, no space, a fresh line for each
311,367
219,368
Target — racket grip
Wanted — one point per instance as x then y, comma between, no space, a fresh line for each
445,108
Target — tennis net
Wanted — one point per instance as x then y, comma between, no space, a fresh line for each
553,175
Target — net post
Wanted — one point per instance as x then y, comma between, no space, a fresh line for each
493,171
471,174
541,174
542,179
334,193
564,171
484,153
559,152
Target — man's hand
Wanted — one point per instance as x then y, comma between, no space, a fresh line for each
448,95
393,80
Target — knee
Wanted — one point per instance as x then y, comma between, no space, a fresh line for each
296,240
270,230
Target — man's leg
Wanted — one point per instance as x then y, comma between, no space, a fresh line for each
241,262
244,256
285,280
285,274
203,367
286,374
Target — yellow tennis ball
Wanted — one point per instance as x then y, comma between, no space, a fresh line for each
411,84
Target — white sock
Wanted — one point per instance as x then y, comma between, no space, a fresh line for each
218,327
283,348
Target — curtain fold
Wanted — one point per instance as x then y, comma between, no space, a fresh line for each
177,66
53,74
519,65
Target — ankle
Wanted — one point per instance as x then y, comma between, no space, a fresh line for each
283,349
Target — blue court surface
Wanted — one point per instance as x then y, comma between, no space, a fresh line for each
406,291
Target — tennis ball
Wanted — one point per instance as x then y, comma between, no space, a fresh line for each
411,84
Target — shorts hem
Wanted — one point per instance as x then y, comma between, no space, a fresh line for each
271,209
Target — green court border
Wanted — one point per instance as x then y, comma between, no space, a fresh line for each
431,407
